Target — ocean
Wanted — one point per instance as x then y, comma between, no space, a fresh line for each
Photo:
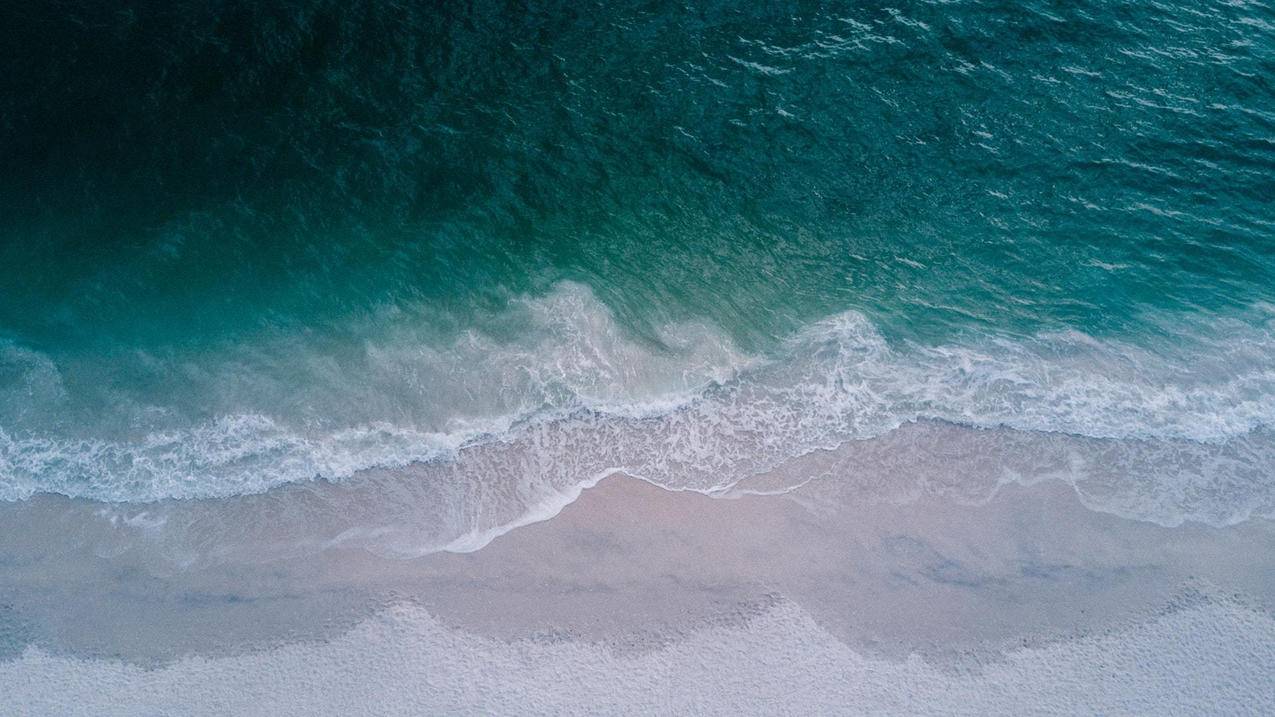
245,245
948,327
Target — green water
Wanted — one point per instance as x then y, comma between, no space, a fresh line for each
199,189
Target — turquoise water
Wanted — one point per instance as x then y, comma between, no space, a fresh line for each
244,246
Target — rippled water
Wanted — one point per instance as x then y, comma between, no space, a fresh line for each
243,246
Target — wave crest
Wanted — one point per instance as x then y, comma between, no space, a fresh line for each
514,422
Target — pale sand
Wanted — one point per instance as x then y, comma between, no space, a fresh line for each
632,573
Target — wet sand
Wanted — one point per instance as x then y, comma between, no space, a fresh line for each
635,580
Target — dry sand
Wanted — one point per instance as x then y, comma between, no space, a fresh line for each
631,573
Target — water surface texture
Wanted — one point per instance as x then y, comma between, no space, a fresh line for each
408,357
244,245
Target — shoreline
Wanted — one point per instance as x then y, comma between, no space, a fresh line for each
638,598
630,585
931,576
936,556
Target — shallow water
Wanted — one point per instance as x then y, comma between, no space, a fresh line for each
296,242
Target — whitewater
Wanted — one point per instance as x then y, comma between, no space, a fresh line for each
506,430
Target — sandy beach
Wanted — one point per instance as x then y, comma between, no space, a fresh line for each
815,599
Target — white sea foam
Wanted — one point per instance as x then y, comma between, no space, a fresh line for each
518,423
